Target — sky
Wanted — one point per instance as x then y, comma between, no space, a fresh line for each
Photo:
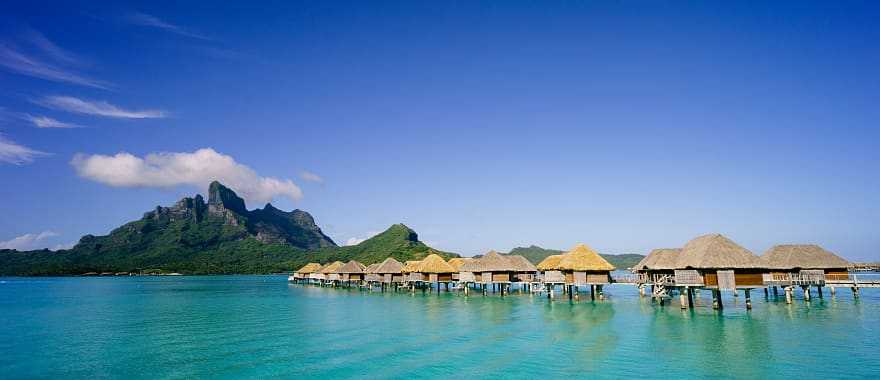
625,125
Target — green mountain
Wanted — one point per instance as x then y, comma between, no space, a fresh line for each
217,237
535,254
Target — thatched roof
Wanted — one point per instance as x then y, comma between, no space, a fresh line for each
521,264
715,251
309,268
490,262
411,266
550,263
351,267
457,262
332,267
662,259
583,258
371,268
801,256
390,265
434,264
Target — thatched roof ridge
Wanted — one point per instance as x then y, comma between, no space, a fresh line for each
411,266
371,268
583,258
715,251
490,262
521,263
332,267
801,256
351,267
550,263
390,265
433,263
309,268
661,258
457,262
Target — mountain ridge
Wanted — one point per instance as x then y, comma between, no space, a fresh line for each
220,236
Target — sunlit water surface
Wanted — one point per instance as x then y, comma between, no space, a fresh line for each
262,327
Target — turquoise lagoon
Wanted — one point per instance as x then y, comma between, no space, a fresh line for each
262,327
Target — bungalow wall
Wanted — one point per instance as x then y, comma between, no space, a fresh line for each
439,277
743,278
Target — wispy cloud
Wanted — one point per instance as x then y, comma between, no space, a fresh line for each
97,108
21,63
311,177
143,19
16,154
28,241
51,49
198,168
48,122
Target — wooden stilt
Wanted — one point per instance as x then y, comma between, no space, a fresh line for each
690,293
642,290
819,291
787,291
833,291
749,299
766,293
855,291
601,292
806,290
682,298
775,292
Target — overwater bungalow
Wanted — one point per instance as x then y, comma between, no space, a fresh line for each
302,274
549,273
490,270
456,263
410,271
329,272
351,271
717,263
370,275
317,277
390,271
434,269
658,266
803,265
526,272
583,266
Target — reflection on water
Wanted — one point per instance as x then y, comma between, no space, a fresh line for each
260,326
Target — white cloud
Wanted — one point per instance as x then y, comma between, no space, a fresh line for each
58,247
97,108
144,19
28,241
48,122
21,63
311,177
358,240
13,153
198,168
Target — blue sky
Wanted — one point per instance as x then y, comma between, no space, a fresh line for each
625,125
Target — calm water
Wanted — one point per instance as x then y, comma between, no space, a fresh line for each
259,327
